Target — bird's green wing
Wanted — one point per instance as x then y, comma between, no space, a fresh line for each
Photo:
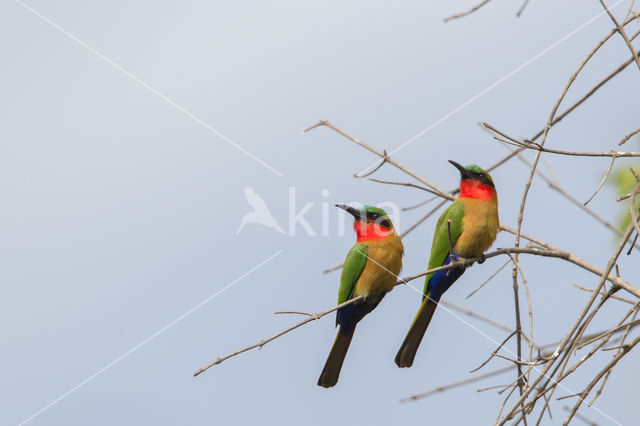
353,267
440,245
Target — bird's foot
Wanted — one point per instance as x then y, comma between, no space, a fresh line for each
481,259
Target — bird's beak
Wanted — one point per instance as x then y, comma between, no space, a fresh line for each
351,210
463,170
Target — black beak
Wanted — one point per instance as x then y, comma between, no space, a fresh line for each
463,170
351,210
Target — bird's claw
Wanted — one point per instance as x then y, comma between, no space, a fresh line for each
482,259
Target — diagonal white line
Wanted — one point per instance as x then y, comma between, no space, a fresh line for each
145,341
492,86
143,84
486,336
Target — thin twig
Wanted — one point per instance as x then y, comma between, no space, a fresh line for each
581,417
420,204
573,328
632,209
624,350
633,244
570,348
602,293
488,279
608,333
629,136
450,243
503,137
455,385
524,5
556,187
604,178
390,160
468,12
620,347
293,312
411,185
384,160
263,342
494,353
530,311
622,32
474,315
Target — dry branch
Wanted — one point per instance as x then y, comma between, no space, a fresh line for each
456,384
468,12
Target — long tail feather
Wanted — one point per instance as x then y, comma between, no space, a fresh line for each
331,371
409,347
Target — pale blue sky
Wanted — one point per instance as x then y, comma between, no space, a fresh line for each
120,211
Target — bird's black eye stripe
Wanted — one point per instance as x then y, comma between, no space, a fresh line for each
481,177
375,217
484,179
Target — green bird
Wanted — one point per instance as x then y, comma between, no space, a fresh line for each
371,270
472,221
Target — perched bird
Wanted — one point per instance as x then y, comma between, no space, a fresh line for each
469,226
371,270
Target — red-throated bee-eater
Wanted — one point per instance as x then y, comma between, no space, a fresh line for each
371,270
470,226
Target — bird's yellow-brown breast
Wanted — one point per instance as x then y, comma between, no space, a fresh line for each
479,227
384,262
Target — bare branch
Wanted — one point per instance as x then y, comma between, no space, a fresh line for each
468,12
456,384
411,185
473,314
460,263
573,328
488,279
293,312
390,160
261,343
629,136
553,185
624,350
420,204
606,377
622,32
608,333
632,210
602,293
524,5
503,137
581,417
604,178
494,353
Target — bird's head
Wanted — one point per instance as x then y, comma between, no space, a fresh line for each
475,182
371,223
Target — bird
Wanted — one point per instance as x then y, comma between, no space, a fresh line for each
371,270
260,214
467,228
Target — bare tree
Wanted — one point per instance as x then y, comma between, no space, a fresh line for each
538,369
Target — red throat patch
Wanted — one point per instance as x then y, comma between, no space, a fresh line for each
477,190
370,231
